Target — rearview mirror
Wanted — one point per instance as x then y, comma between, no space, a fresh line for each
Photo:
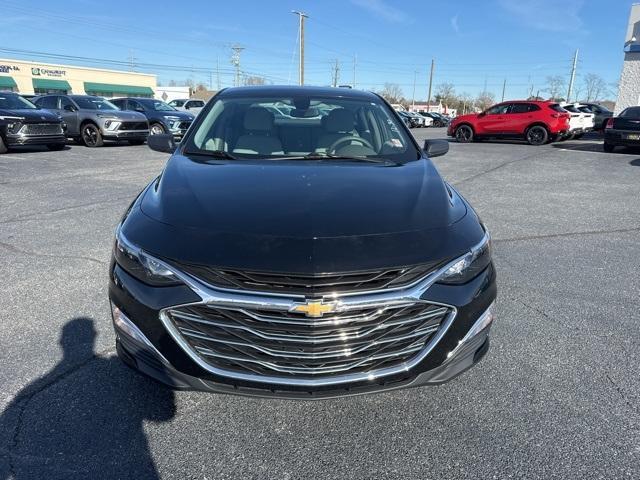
162,143
435,148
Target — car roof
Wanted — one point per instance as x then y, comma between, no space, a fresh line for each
289,90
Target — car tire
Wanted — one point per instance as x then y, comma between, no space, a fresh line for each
537,135
56,147
464,134
608,147
156,129
91,135
3,146
137,141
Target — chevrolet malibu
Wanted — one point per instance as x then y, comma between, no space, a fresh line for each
309,255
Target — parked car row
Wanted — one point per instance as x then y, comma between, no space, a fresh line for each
89,120
537,122
423,119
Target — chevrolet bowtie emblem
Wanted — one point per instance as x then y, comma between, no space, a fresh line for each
314,309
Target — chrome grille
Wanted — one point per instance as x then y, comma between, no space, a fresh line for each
309,285
42,129
287,344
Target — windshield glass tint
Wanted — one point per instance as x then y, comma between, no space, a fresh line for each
94,103
158,106
300,126
15,102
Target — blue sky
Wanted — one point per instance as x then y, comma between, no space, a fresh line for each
472,42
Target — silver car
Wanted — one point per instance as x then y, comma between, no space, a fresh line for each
91,120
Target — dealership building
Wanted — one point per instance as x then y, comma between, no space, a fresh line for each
39,78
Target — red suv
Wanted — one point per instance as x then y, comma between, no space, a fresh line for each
537,122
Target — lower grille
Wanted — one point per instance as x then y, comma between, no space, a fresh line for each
42,129
290,345
133,126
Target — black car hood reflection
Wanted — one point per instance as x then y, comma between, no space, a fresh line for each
301,199
31,115
309,217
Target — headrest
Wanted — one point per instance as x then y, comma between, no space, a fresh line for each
258,119
338,120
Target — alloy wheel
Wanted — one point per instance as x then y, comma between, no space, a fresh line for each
464,134
537,135
156,129
90,135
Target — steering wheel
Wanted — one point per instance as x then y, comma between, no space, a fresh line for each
351,138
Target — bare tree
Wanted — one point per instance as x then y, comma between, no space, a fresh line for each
254,80
595,87
172,83
555,86
464,103
446,93
392,93
485,100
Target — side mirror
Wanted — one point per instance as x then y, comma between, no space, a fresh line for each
70,108
435,148
162,143
139,109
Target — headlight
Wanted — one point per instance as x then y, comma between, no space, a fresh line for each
142,265
106,115
14,127
469,265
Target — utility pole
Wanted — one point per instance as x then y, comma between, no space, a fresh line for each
430,84
301,17
218,72
573,75
336,73
355,62
504,86
132,61
235,61
413,95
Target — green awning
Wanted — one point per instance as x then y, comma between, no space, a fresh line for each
49,84
90,87
7,82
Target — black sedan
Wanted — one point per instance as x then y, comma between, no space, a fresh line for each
22,123
302,256
163,118
623,130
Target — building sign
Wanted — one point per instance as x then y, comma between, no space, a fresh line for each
9,68
37,71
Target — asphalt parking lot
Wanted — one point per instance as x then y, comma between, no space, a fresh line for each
558,395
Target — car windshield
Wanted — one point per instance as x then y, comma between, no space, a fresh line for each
158,106
313,126
571,108
94,103
177,103
15,102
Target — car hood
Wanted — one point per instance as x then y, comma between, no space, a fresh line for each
311,216
122,115
181,115
468,116
31,115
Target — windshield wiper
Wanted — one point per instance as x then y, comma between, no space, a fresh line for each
324,156
216,154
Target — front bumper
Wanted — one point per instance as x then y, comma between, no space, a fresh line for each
18,140
144,343
125,134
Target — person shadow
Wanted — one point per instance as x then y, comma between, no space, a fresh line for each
83,419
